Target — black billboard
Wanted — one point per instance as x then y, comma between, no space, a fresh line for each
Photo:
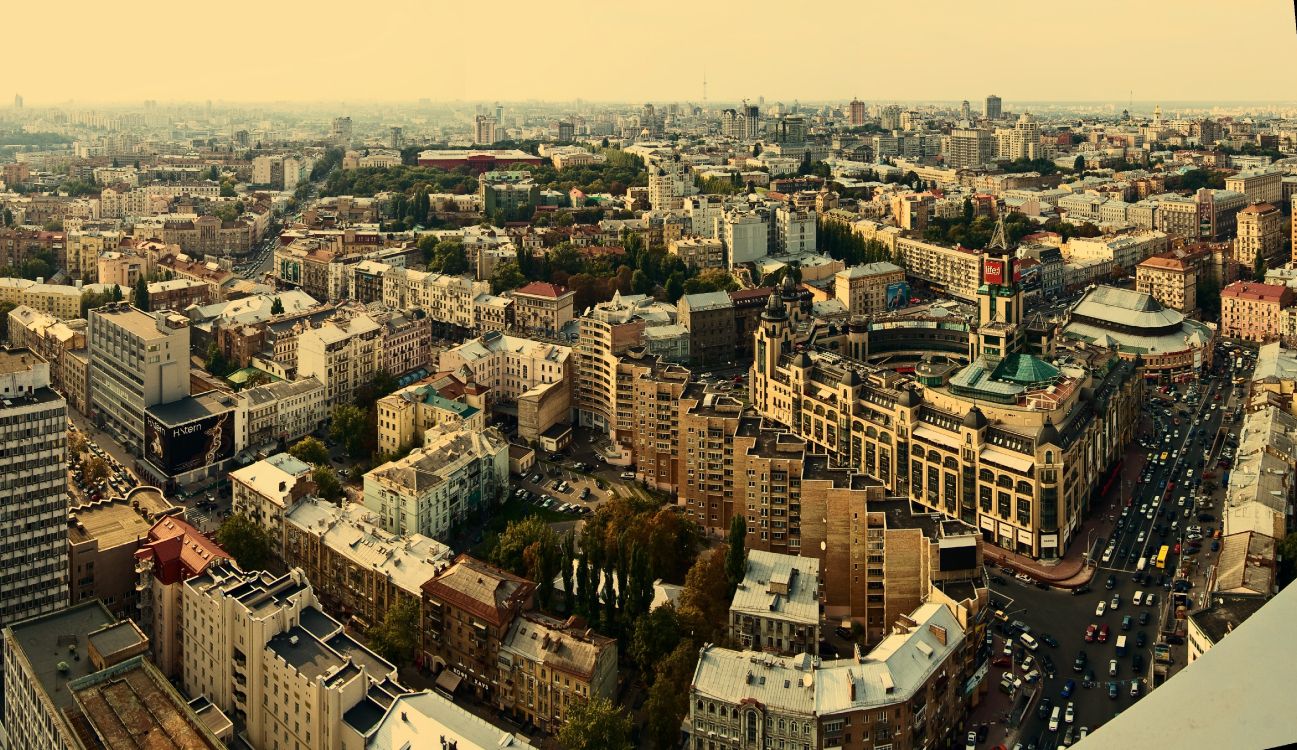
176,449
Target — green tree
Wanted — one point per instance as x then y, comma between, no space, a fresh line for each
1079,164
141,295
397,636
668,700
1259,267
532,549
1208,297
327,485
653,637
277,307
93,469
5,308
8,218
310,450
117,293
706,594
89,301
735,556
567,554
595,725
246,542
507,276
349,428
215,362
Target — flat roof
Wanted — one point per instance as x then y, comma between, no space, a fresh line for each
60,639
114,521
131,705
192,408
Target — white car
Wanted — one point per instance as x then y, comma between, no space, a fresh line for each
1099,610
1070,715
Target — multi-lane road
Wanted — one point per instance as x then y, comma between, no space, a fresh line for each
1149,517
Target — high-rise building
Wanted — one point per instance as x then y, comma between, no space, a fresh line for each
566,131
993,110
858,113
890,119
969,147
33,499
1260,232
792,130
751,121
396,137
138,360
342,131
485,130
18,101
965,111
669,185
1022,141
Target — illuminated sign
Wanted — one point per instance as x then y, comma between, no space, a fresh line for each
993,272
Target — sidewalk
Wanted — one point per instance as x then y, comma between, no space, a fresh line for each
1071,570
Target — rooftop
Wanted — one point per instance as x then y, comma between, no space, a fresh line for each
413,719
55,646
192,408
777,586
544,289
1248,290
114,521
273,478
564,646
131,705
480,588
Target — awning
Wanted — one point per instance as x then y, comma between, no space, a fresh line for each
448,681
1007,460
933,435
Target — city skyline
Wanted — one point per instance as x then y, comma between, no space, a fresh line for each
961,53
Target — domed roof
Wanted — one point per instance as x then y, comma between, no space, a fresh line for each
909,398
850,379
975,419
774,308
1048,434
802,360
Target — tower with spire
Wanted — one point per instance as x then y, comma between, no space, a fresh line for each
999,300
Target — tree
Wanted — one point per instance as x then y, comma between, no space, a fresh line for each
215,362
1208,297
141,298
246,542
1259,267
1287,549
397,636
1079,164
8,218
653,637
735,558
89,301
93,469
349,428
310,450
5,308
706,594
327,484
76,444
567,553
668,700
117,293
277,307
507,276
595,725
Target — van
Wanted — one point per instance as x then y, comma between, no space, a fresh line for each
1053,719
1028,641
1143,563
628,475
1139,597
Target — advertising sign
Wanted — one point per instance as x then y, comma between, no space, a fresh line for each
993,272
193,445
898,295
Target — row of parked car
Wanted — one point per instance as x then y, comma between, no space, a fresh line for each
551,503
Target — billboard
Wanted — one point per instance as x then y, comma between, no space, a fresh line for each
898,295
176,449
993,272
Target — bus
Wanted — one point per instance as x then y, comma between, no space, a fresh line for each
1161,556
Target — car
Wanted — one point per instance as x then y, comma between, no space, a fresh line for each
1143,617
1110,583
844,633
1112,667
1112,690
1140,639
1046,704
1099,610
1053,719
1103,633
1069,687
1002,661
628,475
1150,600
1049,640
1023,577
1047,666
1070,714
1031,676
971,742
982,731
1027,663
1090,631
1089,674
1115,603
1079,662
1079,590
1137,663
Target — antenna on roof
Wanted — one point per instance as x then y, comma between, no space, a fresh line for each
997,239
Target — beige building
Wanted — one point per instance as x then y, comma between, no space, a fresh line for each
1260,231
404,417
265,490
121,268
1170,281
358,570
953,270
445,298
542,309
279,412
532,376
776,607
1253,312
138,360
103,536
863,289
1261,186
344,353
699,252
547,666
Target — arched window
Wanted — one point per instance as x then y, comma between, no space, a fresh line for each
985,475
1024,487
752,726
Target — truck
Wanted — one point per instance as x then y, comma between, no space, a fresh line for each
1121,645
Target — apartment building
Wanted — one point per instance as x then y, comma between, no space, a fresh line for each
776,607
709,318
509,192
457,474
120,268
137,360
1169,280
445,298
171,552
648,418
1260,232
209,235
468,611
265,490
699,252
178,294
668,184
534,375
280,412
34,500
358,570
260,647
907,693
795,231
541,308
969,147
1257,186
548,666
863,289
344,353
1253,312
76,679
952,270
103,536
745,234
404,417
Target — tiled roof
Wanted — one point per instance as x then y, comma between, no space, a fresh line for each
543,289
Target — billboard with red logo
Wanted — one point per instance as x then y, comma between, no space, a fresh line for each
993,272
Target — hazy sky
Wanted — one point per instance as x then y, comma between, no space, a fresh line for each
392,50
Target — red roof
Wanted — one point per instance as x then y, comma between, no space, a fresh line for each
543,289
1254,291
178,550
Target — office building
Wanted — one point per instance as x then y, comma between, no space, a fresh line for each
864,289
1252,311
468,611
776,607
34,499
1259,186
1260,232
548,666
992,109
103,536
137,360
455,476
359,570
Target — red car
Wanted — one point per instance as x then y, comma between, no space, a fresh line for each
1002,661
1103,633
1089,633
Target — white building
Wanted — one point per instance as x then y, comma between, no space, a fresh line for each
746,236
284,410
509,365
412,719
344,353
455,475
33,495
796,231
776,607
137,360
263,490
